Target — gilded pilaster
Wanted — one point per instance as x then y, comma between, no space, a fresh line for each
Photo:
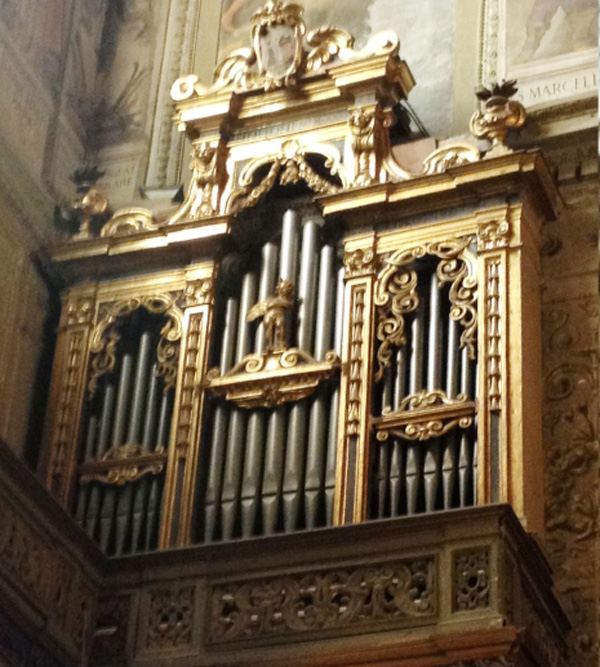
175,529
350,503
67,391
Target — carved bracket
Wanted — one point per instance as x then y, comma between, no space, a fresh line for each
124,463
271,378
425,415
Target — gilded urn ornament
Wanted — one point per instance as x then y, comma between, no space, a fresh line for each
497,115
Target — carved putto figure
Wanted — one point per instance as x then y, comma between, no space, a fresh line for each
272,310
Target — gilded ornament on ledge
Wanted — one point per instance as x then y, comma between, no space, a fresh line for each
425,415
497,115
123,463
278,374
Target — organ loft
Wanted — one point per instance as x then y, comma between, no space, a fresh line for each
296,420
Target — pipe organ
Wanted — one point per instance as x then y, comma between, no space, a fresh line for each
316,336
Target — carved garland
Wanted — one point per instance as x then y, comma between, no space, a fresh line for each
106,336
291,166
396,294
322,600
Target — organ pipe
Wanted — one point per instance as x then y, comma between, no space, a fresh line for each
276,428
232,473
256,423
297,426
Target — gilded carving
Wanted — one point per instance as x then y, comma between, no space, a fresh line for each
359,263
199,292
396,293
425,415
356,360
79,311
123,463
289,165
209,176
105,335
493,235
494,335
128,221
370,142
449,156
64,435
472,578
189,382
496,115
396,591
170,619
278,374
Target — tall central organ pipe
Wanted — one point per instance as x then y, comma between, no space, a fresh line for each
253,463
273,465
230,495
293,478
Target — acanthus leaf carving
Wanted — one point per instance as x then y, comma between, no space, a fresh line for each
321,600
396,293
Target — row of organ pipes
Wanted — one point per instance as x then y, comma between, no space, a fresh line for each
273,470
129,406
264,471
439,473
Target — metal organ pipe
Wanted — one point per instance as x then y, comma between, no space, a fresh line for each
256,423
232,473
219,429
317,435
295,451
276,429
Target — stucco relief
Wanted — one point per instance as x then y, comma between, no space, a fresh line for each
570,335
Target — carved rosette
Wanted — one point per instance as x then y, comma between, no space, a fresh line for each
472,579
170,618
425,415
396,293
78,311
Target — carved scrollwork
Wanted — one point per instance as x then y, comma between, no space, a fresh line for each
123,463
129,221
272,378
322,600
396,293
425,415
359,263
370,142
493,234
290,166
106,335
199,292
450,156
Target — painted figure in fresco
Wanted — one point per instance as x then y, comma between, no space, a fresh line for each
578,31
